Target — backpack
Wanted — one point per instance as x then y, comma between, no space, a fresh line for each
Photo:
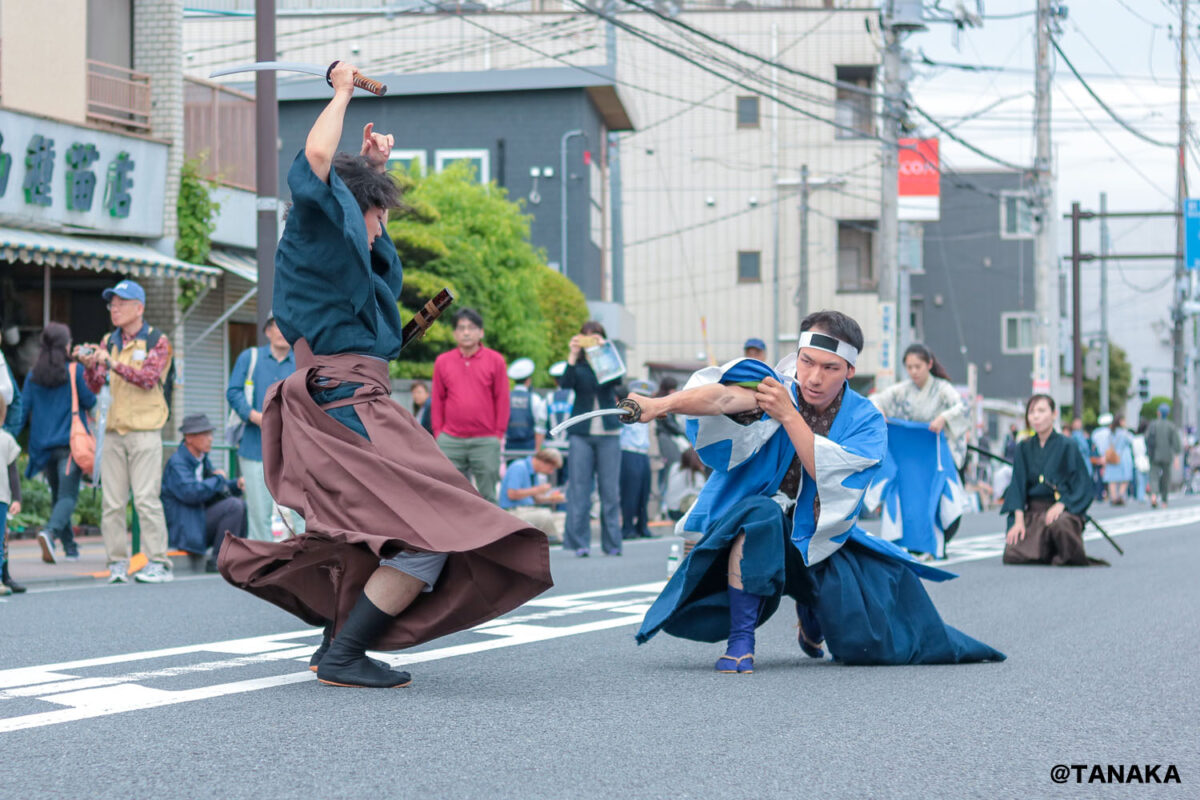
520,421
165,382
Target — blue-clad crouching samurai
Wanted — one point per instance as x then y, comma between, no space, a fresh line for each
792,451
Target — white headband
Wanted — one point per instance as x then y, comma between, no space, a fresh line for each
823,341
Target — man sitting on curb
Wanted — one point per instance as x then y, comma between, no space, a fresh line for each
201,504
525,492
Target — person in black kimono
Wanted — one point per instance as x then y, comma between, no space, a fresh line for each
1049,495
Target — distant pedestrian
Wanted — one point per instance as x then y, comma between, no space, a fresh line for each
527,492
595,451
201,503
470,404
135,360
527,413
635,473
1118,461
48,392
422,408
1011,439
755,348
254,372
1164,446
10,498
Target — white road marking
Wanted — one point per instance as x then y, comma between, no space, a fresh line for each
88,697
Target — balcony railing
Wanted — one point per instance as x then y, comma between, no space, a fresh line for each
218,128
118,97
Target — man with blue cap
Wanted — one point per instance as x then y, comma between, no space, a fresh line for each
1163,445
755,348
135,360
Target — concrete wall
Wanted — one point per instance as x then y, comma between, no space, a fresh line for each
53,86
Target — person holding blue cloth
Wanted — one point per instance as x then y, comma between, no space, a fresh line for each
793,450
201,504
254,372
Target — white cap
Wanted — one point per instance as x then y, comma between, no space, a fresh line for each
1105,420
557,369
521,369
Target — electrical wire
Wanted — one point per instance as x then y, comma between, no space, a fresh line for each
1116,118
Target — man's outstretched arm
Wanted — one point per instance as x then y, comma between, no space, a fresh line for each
712,400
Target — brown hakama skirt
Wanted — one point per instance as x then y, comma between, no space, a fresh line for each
1059,544
363,501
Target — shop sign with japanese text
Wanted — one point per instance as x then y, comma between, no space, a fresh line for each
62,176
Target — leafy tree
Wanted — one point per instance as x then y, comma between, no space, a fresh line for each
196,213
458,233
1120,378
1149,410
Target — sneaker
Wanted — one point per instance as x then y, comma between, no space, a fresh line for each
47,544
71,557
118,571
154,572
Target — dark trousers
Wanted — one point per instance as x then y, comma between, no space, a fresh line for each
635,494
63,475
227,514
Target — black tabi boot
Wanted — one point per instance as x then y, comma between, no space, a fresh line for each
345,663
319,653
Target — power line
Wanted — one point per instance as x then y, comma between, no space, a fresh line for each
1102,104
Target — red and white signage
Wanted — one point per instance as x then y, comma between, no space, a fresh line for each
920,180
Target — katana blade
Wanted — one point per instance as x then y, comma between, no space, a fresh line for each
361,81
271,66
627,409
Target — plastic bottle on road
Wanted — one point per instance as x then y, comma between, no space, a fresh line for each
673,560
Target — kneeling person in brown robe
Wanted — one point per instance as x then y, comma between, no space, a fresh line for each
399,548
1049,495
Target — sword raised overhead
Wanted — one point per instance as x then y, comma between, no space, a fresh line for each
361,81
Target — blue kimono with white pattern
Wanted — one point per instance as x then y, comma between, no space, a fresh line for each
867,593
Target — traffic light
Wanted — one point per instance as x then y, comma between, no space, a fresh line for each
1144,388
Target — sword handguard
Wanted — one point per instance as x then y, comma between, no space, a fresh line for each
361,81
633,411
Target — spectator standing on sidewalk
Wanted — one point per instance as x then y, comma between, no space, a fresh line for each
135,359
255,370
47,405
635,473
595,451
422,408
201,503
470,404
10,498
527,413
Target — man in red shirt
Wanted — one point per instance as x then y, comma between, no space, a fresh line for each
470,403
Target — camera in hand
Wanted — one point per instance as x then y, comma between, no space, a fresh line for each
588,341
86,349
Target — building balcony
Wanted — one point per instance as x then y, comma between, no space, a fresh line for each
218,128
118,97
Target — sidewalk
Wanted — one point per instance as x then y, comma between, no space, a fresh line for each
27,567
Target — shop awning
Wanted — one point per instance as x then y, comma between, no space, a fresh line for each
101,255
235,263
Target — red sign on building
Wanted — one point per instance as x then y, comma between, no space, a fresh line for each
920,180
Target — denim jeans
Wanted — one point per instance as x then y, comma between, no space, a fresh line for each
63,475
594,459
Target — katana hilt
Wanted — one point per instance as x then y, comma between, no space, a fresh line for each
633,411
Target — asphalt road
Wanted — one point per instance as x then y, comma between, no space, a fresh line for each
194,689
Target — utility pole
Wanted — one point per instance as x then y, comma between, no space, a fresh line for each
889,225
1104,409
1076,318
266,159
1181,279
1046,333
802,282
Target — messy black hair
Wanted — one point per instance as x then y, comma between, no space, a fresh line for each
370,187
470,315
837,325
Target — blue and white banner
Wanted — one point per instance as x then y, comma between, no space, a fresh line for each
919,488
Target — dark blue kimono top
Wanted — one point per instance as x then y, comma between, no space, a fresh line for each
329,287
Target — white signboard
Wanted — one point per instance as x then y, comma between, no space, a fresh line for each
61,176
887,345
1041,369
